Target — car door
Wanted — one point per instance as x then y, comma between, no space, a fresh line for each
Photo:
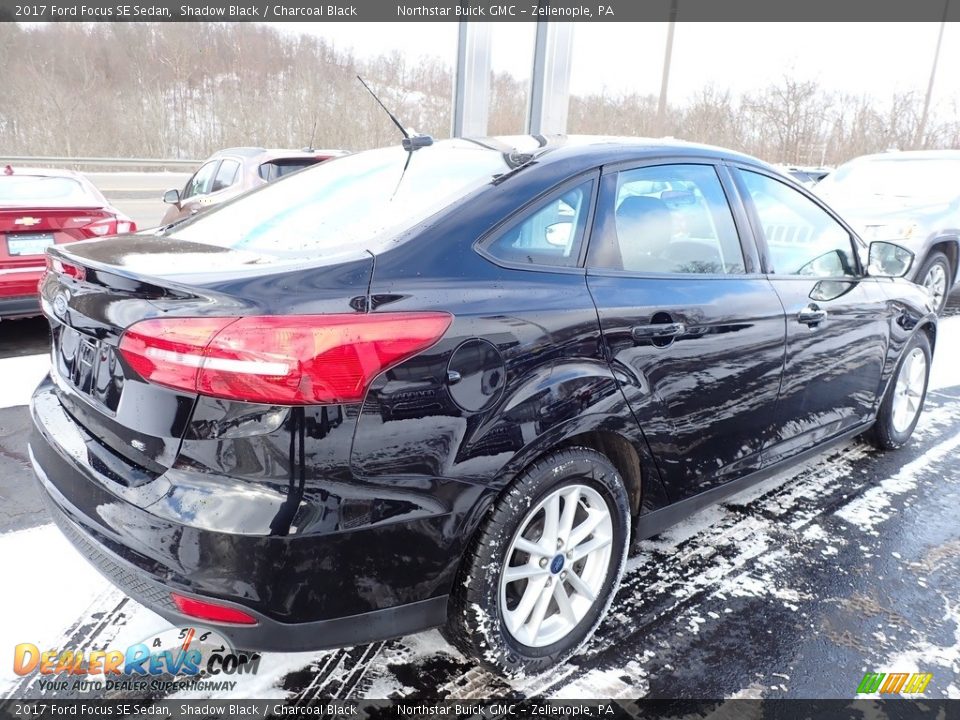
692,328
836,317
197,188
225,184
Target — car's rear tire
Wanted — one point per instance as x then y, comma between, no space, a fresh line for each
563,529
903,402
937,277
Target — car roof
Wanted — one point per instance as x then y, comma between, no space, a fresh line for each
267,154
911,155
42,172
602,148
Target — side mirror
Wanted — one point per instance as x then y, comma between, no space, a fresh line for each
888,260
172,196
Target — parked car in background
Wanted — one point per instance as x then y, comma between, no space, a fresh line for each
231,172
910,198
806,176
449,387
40,208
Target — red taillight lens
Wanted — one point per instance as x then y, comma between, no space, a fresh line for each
169,352
100,228
108,226
278,360
205,610
77,272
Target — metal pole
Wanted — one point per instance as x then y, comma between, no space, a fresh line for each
922,127
549,104
665,80
471,82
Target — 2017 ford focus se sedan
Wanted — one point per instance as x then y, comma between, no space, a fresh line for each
447,388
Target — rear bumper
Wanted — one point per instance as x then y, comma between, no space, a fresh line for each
24,306
268,634
18,291
306,592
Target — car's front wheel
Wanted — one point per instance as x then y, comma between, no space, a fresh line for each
900,409
935,276
545,566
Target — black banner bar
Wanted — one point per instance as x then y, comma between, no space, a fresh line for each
476,10
505,709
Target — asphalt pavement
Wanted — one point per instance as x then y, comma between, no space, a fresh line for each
847,564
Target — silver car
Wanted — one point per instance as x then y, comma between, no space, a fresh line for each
910,198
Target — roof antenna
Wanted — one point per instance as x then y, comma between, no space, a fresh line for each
409,142
313,134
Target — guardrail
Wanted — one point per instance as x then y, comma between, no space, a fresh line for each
99,162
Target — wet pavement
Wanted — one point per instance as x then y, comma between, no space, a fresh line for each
846,564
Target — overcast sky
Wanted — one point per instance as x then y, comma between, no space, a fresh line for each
875,58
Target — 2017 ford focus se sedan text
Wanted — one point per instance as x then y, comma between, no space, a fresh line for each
448,387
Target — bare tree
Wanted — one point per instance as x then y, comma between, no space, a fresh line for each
187,89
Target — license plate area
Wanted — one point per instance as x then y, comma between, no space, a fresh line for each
87,366
22,244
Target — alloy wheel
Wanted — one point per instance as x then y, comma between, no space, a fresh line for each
556,565
935,282
908,392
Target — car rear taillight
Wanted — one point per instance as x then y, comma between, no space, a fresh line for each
278,360
77,272
108,226
206,610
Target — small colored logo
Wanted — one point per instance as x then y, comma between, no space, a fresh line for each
174,652
27,221
60,305
894,683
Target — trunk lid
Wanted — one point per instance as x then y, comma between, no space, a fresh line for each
26,232
95,290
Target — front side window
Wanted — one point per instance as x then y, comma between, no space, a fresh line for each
200,183
551,235
226,175
801,236
668,219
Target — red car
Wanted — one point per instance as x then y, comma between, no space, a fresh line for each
40,208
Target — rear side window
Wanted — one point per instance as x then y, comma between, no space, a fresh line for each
668,219
551,235
200,183
276,169
226,175
801,237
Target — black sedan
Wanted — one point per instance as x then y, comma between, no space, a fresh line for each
449,387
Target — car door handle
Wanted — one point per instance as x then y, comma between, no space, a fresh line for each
811,315
657,330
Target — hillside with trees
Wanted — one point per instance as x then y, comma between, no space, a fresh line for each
187,89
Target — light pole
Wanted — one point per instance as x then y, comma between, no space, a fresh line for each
665,80
922,127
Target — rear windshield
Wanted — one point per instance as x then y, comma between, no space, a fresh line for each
42,190
276,169
349,204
